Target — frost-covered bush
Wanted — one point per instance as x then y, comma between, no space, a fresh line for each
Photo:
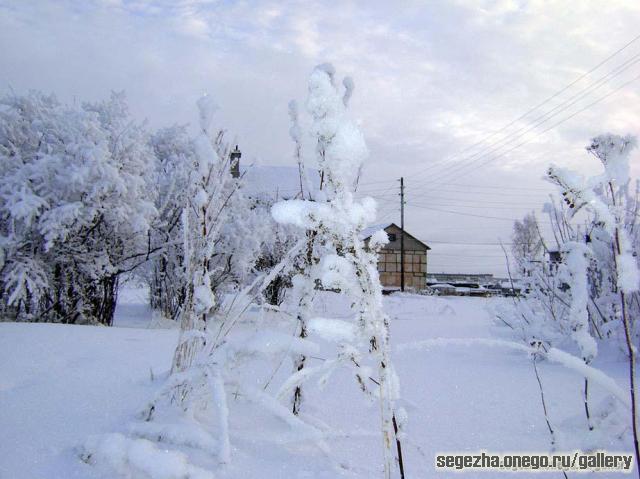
585,288
175,157
221,239
221,256
87,194
242,230
527,244
75,209
336,258
591,258
221,234
273,251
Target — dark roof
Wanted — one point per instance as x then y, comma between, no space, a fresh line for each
369,232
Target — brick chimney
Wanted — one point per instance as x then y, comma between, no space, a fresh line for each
234,161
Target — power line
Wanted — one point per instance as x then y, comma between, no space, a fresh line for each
510,138
373,182
509,200
468,214
478,207
480,204
483,193
376,191
537,121
496,187
546,100
386,215
554,125
469,244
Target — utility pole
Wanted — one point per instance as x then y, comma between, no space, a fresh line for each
402,234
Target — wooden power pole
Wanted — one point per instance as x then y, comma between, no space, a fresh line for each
402,234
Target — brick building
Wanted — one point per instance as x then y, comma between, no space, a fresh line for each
415,258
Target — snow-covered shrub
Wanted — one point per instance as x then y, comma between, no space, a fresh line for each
242,230
541,314
607,198
75,209
175,157
212,254
527,243
585,289
336,257
284,237
213,251
219,241
273,251
597,217
609,234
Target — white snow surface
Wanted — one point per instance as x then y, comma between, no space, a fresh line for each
333,329
65,390
138,458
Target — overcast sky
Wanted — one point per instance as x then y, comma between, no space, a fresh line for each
432,80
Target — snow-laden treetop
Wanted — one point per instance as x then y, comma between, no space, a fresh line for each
341,148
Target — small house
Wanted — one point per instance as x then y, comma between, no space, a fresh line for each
389,263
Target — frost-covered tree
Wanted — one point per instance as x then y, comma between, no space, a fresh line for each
75,209
206,216
242,230
221,237
586,289
526,242
607,197
274,250
175,157
336,257
543,307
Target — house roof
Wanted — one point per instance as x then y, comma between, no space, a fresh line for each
367,232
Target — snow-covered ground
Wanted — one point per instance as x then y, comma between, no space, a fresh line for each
60,385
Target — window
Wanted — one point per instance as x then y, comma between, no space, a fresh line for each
392,237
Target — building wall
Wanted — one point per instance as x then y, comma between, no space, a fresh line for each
415,262
415,268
